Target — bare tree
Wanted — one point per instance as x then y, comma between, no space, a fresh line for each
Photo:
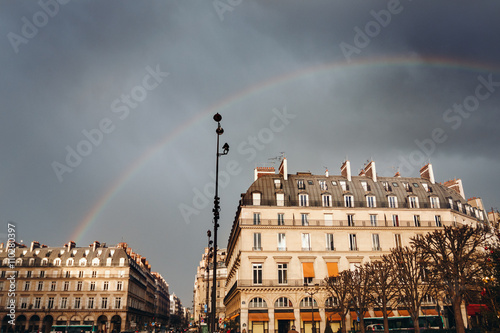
360,289
385,287
414,284
338,287
456,256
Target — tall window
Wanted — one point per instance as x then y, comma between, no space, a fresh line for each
353,245
328,220
106,285
397,240
434,202
322,185
281,219
104,303
40,286
256,218
393,201
364,185
281,242
303,200
78,286
37,302
90,304
257,241
416,220
370,201
348,200
119,285
327,200
373,220
64,302
50,303
305,221
437,218
80,274
395,220
329,242
375,242
343,184
26,285
94,274
282,273
306,242
118,303
257,302
256,199
280,199
300,184
92,286
350,220
257,273
413,201
77,302
277,184
53,286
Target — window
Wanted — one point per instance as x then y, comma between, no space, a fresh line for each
307,302
90,304
437,218
393,201
395,220
310,182
106,285
375,242
282,273
256,218
78,286
281,219
119,285
94,274
45,262
300,184
303,200
327,200
416,220
64,302
31,262
334,183
256,199
53,286
118,303
70,262
413,202
281,242
305,221
353,245
122,262
37,302
95,262
434,202
92,286
257,302
322,185
280,199
28,274
277,184
350,220
104,303
348,201
42,274
68,274
308,271
283,302
80,274
66,285
373,220
328,220
331,302
77,302
83,262
24,302
343,184
386,186
306,242
364,185
40,286
256,242
257,273
26,286
50,303
370,201
329,242
397,240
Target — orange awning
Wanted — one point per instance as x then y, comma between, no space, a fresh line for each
333,269
380,314
258,316
306,316
429,312
333,316
308,268
403,313
284,316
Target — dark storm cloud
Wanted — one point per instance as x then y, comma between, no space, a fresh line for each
63,79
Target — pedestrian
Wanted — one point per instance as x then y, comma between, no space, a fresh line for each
293,330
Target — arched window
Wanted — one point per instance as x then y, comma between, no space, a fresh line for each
331,302
19,262
83,262
45,262
257,302
70,262
307,302
95,262
57,262
108,261
283,302
6,262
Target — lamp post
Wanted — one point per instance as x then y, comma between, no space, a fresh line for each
311,292
216,210
207,269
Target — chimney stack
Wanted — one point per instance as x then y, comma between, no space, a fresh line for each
362,173
345,170
370,171
283,169
326,173
95,245
260,171
397,175
34,245
427,173
456,185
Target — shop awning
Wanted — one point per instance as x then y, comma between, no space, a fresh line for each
308,268
284,316
234,316
333,316
259,316
475,309
306,316
380,314
403,313
354,315
333,269
430,312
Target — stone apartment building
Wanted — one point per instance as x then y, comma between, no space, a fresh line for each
296,230
100,288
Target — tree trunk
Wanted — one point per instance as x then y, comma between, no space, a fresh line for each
386,323
416,324
362,324
459,320
342,324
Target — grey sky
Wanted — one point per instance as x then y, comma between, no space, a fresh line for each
104,64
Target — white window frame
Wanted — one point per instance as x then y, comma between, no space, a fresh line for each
373,220
416,221
282,273
393,201
304,219
398,243
256,218
257,241
281,242
306,242
256,198
395,220
413,202
303,200
257,273
371,201
376,242
326,200
330,244
353,243
280,199
438,221
434,202
328,220
348,201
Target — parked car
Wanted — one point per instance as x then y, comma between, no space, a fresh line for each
375,327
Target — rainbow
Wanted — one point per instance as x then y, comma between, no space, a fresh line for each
225,104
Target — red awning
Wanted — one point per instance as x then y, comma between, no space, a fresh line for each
475,309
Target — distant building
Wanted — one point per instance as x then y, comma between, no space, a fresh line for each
296,230
111,289
201,284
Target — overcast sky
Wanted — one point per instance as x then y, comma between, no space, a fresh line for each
106,125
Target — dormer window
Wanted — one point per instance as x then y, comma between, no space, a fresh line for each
277,184
364,185
425,186
334,183
256,198
327,200
83,262
322,185
393,201
95,262
386,186
303,200
370,201
348,201
434,202
70,262
300,184
344,186
280,199
459,205
413,202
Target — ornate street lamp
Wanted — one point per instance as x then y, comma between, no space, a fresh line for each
216,210
311,292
